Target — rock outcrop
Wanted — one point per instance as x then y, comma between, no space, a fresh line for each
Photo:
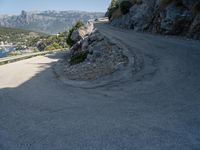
82,32
93,55
174,17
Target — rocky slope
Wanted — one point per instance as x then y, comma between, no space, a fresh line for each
92,56
174,17
47,21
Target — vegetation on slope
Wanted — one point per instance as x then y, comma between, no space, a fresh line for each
113,7
118,8
26,41
51,42
125,7
62,40
74,28
14,35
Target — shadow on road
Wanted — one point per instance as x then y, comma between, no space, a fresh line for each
43,113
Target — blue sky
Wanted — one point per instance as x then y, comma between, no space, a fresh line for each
15,6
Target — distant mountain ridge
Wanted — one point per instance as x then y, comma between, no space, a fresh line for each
47,21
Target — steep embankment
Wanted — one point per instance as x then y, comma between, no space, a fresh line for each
174,17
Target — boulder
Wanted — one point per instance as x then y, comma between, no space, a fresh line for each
76,36
94,56
96,36
85,44
79,34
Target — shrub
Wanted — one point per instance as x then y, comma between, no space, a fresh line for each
35,50
79,24
75,27
53,46
114,3
78,57
125,7
110,12
14,53
19,47
113,7
69,40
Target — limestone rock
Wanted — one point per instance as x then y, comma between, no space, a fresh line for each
177,17
79,34
94,56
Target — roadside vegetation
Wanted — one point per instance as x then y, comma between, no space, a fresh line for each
125,7
26,41
112,8
74,28
15,36
78,57
118,8
50,42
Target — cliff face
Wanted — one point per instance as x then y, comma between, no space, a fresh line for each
174,17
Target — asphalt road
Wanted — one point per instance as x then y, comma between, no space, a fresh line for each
157,108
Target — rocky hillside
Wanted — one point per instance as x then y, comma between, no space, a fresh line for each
174,17
47,21
92,55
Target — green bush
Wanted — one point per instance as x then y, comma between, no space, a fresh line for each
14,53
125,6
53,46
35,50
75,27
113,7
114,4
51,42
78,57
69,40
19,47
79,24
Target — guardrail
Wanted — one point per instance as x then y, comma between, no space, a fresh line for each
7,60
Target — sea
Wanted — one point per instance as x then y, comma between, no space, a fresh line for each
5,51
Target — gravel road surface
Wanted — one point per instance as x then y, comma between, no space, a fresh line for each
157,108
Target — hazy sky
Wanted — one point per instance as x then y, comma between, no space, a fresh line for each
15,6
